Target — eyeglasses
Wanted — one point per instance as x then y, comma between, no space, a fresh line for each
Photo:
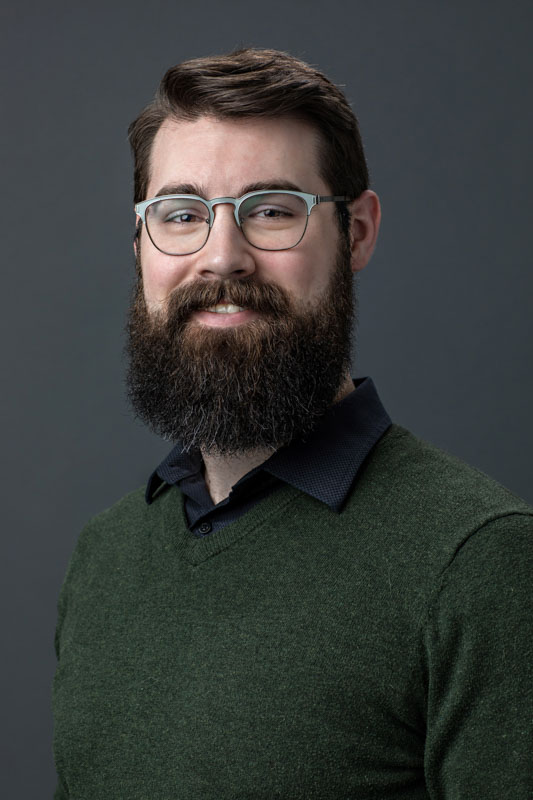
179,224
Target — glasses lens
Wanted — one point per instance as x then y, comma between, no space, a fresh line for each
178,226
273,221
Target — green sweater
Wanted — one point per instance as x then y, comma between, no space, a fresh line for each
383,652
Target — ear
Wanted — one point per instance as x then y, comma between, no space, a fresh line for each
365,216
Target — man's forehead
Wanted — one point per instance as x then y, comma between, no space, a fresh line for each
225,156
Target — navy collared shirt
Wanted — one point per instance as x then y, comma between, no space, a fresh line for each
324,466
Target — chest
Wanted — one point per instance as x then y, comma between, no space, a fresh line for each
264,671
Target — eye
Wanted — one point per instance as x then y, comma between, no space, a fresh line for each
178,212
271,212
267,212
183,217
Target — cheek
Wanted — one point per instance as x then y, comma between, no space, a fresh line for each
161,274
158,279
304,271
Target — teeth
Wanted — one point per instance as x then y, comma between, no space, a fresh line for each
225,309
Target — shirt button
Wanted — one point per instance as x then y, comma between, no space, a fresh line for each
205,527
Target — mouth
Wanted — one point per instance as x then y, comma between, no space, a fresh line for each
225,308
224,315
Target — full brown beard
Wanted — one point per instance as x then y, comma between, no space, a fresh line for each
231,390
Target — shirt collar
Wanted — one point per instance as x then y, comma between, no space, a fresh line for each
324,466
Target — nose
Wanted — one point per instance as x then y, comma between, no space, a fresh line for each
226,254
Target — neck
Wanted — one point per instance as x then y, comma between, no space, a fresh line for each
223,472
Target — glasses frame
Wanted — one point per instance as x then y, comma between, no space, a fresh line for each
311,200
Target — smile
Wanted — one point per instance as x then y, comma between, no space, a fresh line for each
224,315
225,309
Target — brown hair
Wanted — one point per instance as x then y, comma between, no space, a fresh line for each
250,83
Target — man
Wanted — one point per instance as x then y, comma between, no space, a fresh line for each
307,601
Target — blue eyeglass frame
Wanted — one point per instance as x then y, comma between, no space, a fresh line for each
311,200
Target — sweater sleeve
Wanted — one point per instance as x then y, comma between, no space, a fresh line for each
479,651
77,563
60,792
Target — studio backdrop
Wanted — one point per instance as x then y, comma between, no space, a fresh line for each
442,92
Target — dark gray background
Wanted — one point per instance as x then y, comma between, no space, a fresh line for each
443,94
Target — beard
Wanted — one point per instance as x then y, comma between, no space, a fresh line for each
232,390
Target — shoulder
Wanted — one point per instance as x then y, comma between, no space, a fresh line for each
424,504
121,518
424,475
116,534
129,507
109,562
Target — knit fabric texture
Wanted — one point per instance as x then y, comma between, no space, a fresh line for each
383,652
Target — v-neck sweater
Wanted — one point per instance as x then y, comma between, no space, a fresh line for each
383,652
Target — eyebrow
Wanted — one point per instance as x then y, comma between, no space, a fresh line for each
260,186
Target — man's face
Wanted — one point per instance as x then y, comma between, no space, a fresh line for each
222,159
224,383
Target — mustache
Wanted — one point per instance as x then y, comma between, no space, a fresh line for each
267,298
